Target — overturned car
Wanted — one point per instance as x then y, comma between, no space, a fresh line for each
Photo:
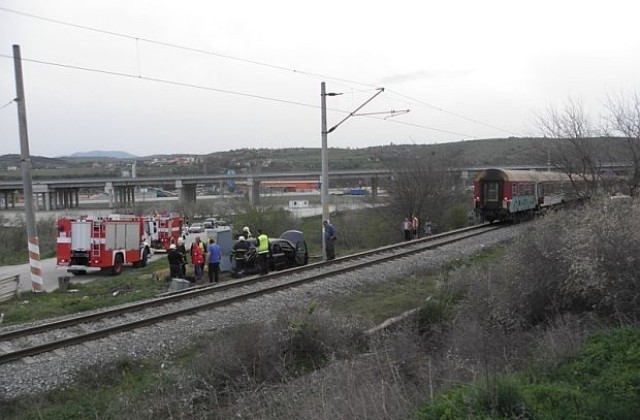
287,251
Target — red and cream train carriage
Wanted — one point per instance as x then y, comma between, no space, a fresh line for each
504,194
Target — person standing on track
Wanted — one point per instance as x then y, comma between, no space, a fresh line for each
262,249
415,224
214,253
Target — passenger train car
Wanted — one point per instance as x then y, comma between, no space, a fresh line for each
503,194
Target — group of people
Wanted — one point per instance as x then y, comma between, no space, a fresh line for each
411,228
240,251
211,255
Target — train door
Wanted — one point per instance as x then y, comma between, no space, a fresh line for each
491,194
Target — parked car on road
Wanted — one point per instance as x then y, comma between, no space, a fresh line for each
212,222
196,228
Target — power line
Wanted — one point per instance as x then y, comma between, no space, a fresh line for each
8,103
424,127
207,88
164,81
452,113
181,47
243,60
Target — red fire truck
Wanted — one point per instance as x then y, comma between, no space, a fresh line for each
105,243
164,229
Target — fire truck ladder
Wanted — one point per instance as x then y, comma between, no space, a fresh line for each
96,236
163,231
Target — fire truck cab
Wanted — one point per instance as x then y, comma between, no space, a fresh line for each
105,243
163,229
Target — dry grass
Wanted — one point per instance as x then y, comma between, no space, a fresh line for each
527,311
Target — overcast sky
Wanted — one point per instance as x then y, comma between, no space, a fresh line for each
153,76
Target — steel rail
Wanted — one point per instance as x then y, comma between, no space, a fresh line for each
174,296
435,242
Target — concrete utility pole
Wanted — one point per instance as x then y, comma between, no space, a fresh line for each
25,162
324,179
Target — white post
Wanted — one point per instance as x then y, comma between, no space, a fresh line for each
37,284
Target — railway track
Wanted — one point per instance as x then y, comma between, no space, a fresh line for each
18,343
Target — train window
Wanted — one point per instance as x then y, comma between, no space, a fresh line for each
491,191
526,189
514,190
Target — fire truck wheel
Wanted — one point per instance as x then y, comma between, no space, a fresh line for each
117,265
144,260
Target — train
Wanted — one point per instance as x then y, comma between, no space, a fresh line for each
513,195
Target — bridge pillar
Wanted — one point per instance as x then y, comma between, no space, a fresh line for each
186,192
9,198
69,196
116,197
131,196
122,196
56,199
39,202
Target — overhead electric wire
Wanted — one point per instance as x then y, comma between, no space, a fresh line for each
181,47
425,127
229,92
450,113
8,103
165,81
229,57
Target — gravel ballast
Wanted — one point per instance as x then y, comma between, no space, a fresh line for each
56,369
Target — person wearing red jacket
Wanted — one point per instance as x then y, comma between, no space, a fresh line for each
197,258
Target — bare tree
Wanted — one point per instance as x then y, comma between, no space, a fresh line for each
624,120
568,142
421,185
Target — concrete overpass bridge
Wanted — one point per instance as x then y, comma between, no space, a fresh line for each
54,194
